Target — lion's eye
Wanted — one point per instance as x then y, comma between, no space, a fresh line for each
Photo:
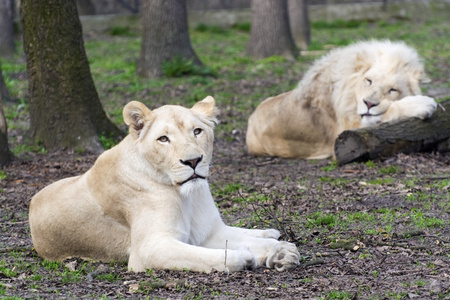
368,81
163,139
197,131
393,91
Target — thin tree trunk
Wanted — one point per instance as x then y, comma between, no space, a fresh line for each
7,47
270,33
5,154
165,36
65,111
299,22
405,136
4,93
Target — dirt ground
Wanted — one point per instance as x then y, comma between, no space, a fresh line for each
407,262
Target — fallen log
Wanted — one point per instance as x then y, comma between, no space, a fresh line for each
402,136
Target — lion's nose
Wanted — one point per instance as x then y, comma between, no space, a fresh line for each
192,162
370,104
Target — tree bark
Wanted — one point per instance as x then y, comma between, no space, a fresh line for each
5,154
270,33
85,7
403,136
65,111
165,36
217,4
4,93
299,23
7,47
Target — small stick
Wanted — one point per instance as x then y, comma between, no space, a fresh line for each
225,263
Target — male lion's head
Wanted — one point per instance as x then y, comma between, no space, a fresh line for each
386,72
172,143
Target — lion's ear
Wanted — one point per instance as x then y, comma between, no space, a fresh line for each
422,77
206,107
135,115
362,63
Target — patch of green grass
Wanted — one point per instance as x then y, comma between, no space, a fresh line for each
370,164
120,31
257,197
7,271
273,59
338,24
180,66
420,220
26,147
337,295
319,219
201,27
442,184
392,169
51,265
110,277
420,282
395,295
244,26
107,142
3,175
214,29
330,167
360,216
230,188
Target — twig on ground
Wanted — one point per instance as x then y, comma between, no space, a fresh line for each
312,263
100,269
225,262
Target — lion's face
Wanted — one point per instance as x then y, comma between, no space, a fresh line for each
379,88
175,142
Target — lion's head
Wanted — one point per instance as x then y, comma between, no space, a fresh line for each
386,74
174,143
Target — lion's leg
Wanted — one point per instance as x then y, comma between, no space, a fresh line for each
412,106
260,233
254,145
269,252
66,222
170,253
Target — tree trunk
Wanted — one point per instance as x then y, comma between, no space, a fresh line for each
4,93
217,4
404,136
65,111
85,7
270,33
5,155
299,23
7,47
165,36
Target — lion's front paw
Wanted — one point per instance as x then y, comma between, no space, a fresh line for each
238,260
271,234
283,256
420,106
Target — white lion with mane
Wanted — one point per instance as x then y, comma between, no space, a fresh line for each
147,201
355,86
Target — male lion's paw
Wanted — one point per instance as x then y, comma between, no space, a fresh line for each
419,106
271,234
283,256
238,260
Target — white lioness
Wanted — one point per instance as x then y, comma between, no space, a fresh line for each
359,85
147,200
